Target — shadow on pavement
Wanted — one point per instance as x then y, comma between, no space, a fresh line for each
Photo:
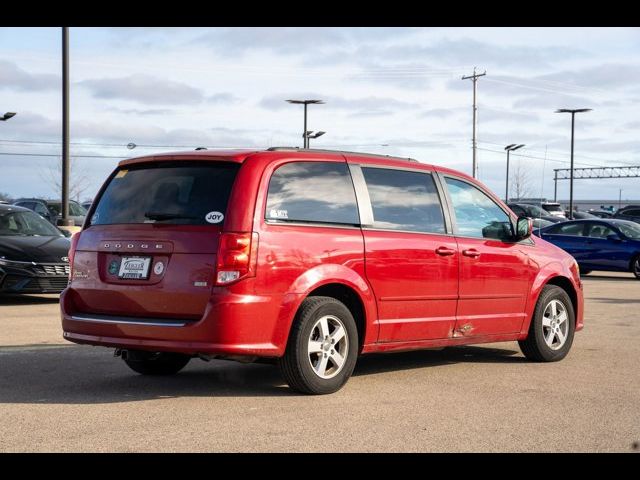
14,299
84,375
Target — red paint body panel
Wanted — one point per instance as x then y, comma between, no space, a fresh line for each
411,296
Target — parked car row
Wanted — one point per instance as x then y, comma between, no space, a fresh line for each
51,210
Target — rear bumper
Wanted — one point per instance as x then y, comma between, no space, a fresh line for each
233,324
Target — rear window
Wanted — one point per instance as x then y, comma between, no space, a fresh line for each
316,192
183,193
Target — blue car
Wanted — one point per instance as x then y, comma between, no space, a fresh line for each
598,244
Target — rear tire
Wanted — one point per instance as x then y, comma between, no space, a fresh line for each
156,363
322,349
552,327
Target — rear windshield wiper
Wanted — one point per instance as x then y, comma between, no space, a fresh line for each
166,216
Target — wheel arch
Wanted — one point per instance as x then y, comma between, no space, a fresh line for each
559,280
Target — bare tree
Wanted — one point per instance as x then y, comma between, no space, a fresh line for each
5,197
520,182
79,181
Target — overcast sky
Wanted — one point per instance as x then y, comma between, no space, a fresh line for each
396,91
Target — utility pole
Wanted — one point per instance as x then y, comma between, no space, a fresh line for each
555,185
65,220
474,78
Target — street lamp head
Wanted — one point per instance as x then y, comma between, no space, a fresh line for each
517,147
576,110
305,102
318,134
7,116
509,147
131,146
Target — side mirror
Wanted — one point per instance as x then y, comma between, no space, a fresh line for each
66,233
524,228
614,238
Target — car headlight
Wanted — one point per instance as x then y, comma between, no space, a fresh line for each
14,263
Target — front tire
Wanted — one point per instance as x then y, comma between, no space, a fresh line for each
635,267
156,363
322,349
552,327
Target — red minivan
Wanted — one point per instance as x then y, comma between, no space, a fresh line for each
309,258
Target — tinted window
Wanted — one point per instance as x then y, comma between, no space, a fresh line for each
574,229
597,230
29,205
631,213
312,192
403,200
167,193
476,214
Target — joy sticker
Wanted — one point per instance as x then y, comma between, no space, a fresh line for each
214,217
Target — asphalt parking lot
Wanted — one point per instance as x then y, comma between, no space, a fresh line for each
59,397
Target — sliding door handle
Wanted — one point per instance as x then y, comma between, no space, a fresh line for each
471,252
445,251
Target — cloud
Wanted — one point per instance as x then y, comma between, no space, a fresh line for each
144,89
292,40
222,98
12,76
553,101
439,113
600,77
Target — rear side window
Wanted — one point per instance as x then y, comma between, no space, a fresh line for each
573,229
184,193
317,192
403,200
631,213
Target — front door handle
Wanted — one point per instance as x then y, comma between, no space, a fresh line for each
471,252
445,251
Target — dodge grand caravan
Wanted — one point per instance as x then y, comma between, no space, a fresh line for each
309,258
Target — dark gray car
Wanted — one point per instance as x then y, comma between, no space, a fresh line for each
630,212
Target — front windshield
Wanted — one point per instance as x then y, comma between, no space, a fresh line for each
629,230
25,223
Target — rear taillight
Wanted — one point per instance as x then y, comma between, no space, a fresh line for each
72,252
237,257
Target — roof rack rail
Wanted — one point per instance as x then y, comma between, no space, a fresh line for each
324,150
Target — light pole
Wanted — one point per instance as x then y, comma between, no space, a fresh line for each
305,132
509,149
7,116
573,116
